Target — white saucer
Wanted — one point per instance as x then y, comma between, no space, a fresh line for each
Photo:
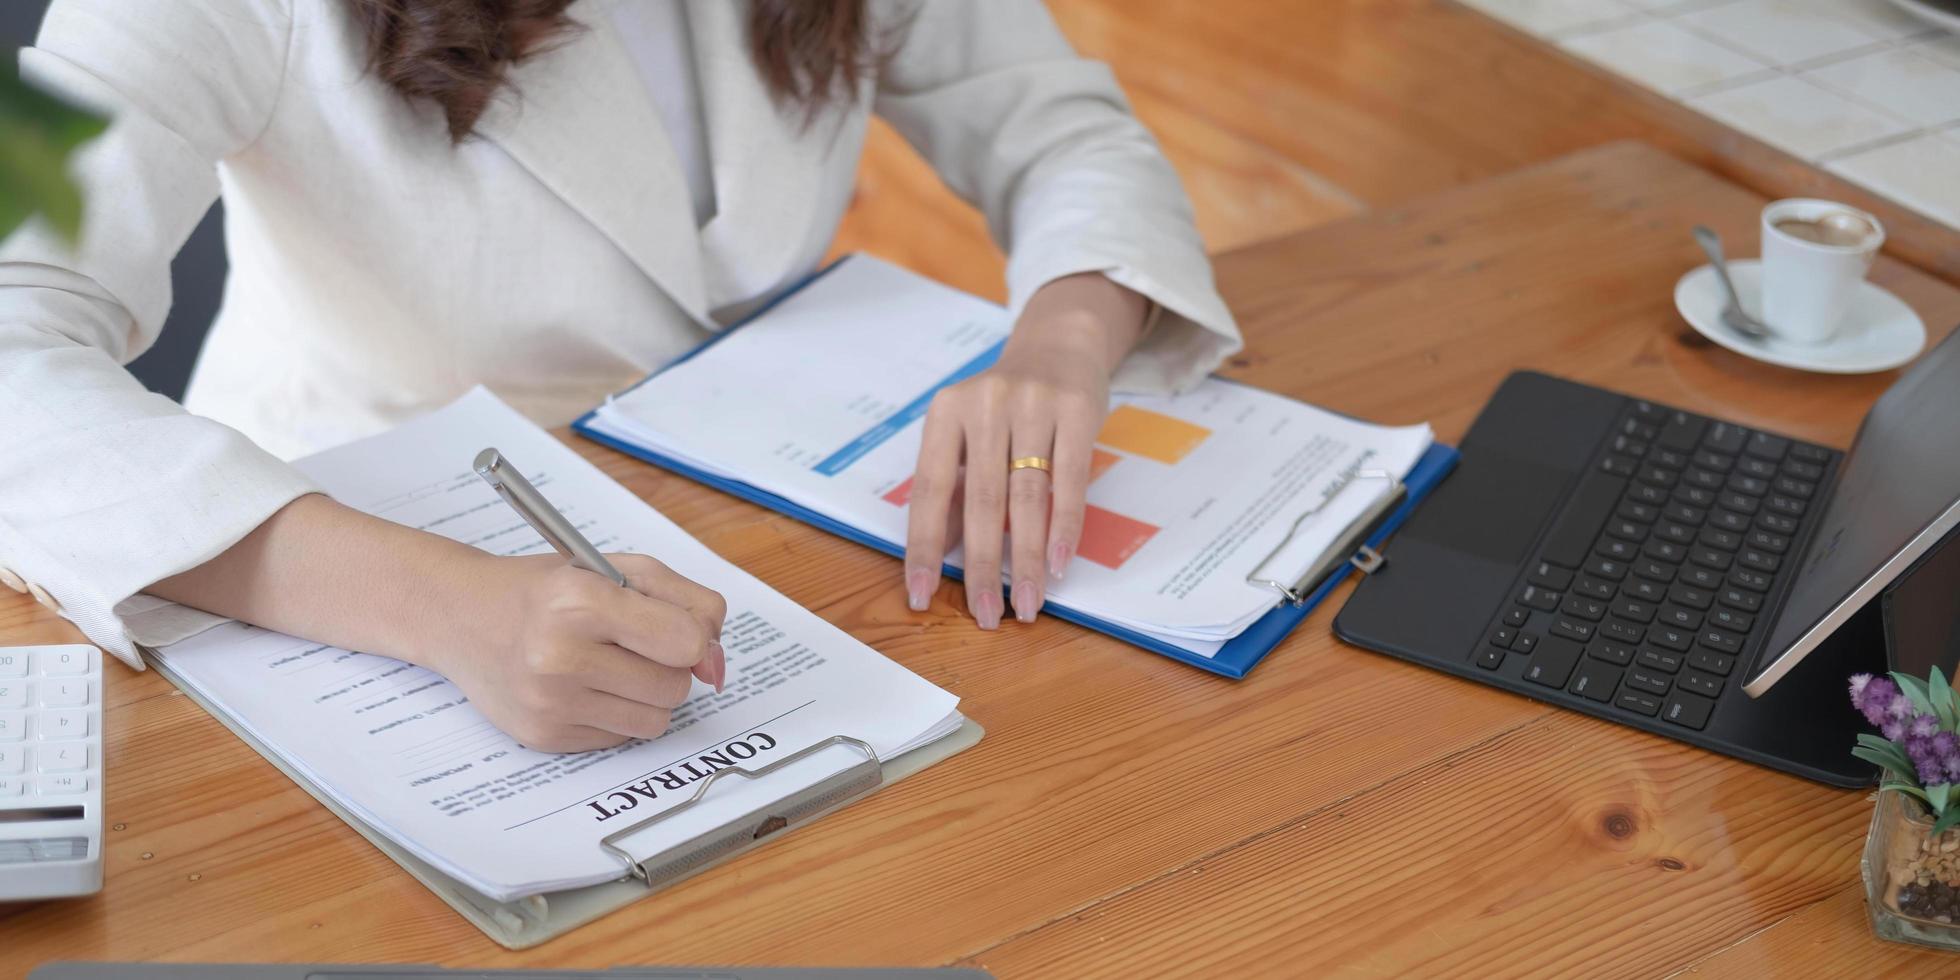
1880,332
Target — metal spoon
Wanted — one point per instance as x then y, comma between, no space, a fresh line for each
1737,319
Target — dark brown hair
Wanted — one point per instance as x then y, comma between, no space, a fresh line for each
456,53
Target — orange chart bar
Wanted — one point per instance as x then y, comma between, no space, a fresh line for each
1152,435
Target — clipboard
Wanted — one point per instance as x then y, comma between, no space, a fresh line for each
529,921
1356,549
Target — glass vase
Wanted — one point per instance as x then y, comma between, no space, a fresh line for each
1912,878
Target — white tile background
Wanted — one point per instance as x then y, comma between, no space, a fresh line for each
1856,86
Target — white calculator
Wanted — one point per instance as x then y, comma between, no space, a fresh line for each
50,772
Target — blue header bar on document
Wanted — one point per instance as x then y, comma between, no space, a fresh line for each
854,450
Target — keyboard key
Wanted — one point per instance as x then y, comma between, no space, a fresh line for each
64,694
1668,458
1602,567
1617,465
1583,515
64,785
1776,522
1682,432
1787,506
1710,460
1645,704
1642,679
1639,612
1741,503
1502,637
13,663
1706,685
63,663
1541,599
1526,643
1642,493
1627,445
1657,476
1517,617
1747,579
1725,438
1680,616
1666,551
1706,479
1794,487
13,759
1766,446
1761,561
1721,641
13,726
62,757
1552,664
11,786
1678,511
1644,513
1742,599
1651,569
1689,710
13,694
1612,653
1571,629
1584,608
1662,660
1490,658
1773,543
1702,578
1649,412
1745,484
1677,533
1718,538
1714,663
1691,597
1803,471
1644,590
1709,558
1761,469
1550,576
1616,549
1695,496
1595,588
1596,681
63,724
1622,528
1624,632
1670,637
1810,454
1635,428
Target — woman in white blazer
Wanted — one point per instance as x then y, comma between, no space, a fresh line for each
551,199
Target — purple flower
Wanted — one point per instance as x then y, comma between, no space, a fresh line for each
1946,745
1858,684
1879,692
1951,768
1931,773
1899,707
1924,725
1893,729
1919,750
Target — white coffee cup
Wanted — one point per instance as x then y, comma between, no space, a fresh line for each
1815,254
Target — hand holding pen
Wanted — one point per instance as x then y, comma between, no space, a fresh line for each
609,647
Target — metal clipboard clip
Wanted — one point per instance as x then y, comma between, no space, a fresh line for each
1349,546
745,831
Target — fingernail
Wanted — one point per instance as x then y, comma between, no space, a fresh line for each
1025,603
918,588
721,664
986,610
1058,556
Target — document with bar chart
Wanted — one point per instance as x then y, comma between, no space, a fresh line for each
817,405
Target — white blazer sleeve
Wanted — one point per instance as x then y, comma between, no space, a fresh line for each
106,488
1043,143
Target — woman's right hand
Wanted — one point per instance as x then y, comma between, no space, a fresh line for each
564,661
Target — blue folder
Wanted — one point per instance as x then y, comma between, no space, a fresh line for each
1234,659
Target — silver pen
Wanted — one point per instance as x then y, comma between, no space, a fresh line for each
544,518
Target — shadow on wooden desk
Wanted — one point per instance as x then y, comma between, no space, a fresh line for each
1335,812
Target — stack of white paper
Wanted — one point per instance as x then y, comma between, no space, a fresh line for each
822,399
403,749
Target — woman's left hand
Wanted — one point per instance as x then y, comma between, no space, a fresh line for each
1044,399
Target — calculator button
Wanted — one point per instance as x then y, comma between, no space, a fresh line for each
13,759
62,757
64,694
56,663
63,724
13,664
13,694
57,785
11,786
13,726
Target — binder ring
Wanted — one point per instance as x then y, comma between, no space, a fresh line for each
1345,545
736,835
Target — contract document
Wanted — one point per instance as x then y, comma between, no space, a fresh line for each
404,751
821,400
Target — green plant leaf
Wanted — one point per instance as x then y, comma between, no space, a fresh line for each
1894,756
38,133
1946,821
1936,796
1941,695
1915,691
1898,768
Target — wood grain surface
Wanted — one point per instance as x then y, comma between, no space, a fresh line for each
1335,812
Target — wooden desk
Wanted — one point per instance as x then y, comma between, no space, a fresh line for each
1335,812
